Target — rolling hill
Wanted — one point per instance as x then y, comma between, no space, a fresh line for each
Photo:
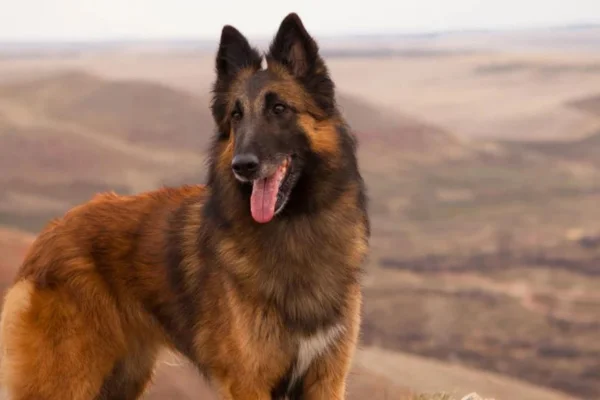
141,113
56,154
382,126
590,104
582,151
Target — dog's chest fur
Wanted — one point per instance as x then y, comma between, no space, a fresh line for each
311,347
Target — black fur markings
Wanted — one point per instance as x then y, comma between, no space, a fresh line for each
256,83
286,389
100,252
120,385
234,54
212,211
176,316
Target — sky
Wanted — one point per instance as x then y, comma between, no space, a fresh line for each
74,20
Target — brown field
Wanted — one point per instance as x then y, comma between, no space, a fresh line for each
484,177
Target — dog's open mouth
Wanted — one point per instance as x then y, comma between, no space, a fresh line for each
270,194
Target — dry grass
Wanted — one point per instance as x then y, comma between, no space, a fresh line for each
435,396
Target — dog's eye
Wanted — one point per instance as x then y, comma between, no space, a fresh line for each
278,108
236,115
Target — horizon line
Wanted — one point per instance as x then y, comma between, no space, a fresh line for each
346,35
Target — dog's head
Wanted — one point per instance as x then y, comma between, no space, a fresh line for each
276,126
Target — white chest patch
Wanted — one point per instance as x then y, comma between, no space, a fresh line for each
311,347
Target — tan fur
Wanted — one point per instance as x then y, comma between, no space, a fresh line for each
322,135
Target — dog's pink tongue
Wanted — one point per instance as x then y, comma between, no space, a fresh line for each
264,197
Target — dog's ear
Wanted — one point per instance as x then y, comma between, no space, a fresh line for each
294,47
298,52
235,53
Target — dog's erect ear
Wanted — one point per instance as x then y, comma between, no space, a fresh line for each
294,47
235,53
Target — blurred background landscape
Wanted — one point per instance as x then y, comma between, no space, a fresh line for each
481,153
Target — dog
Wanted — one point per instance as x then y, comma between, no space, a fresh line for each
255,277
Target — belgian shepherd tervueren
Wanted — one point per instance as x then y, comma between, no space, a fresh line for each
255,276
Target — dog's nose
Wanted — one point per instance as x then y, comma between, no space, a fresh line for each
245,165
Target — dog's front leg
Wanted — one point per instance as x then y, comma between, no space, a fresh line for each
326,377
